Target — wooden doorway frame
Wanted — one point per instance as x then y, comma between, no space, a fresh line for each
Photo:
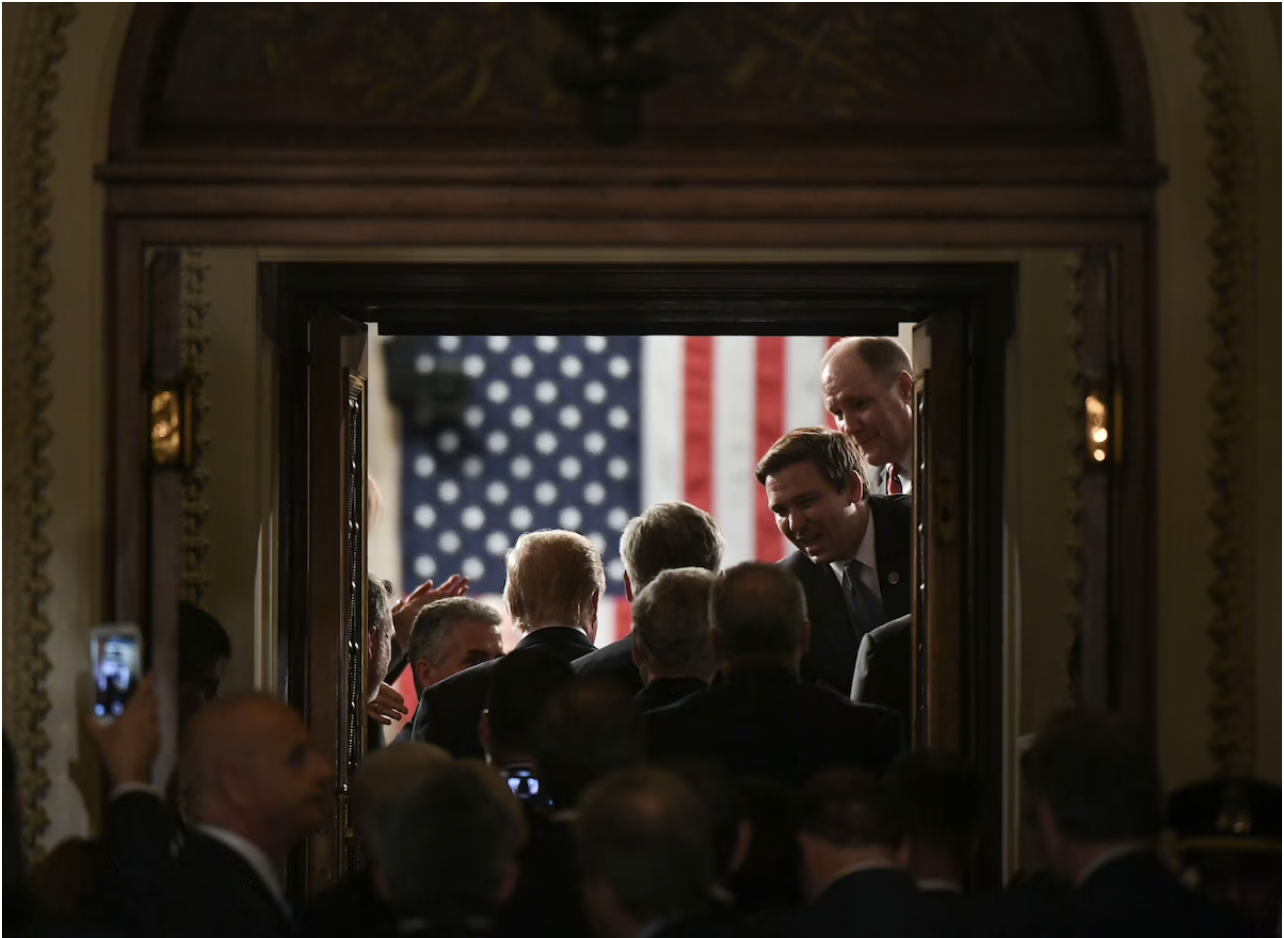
659,298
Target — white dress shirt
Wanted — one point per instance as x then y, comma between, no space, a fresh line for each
867,556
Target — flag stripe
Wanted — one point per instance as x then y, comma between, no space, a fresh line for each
735,402
663,419
770,425
698,421
804,406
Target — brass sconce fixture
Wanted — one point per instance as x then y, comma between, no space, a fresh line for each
1097,427
171,428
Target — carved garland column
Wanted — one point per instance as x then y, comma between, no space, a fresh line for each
1233,704
194,338
28,356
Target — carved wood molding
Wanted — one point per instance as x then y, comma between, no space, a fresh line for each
1231,243
194,338
1075,456
28,171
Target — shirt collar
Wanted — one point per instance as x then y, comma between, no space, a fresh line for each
251,854
1109,856
866,553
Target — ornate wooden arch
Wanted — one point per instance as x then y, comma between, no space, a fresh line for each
835,126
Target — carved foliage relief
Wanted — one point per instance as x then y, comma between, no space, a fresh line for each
447,74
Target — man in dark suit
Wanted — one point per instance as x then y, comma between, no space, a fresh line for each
884,668
851,882
762,720
647,859
1094,796
450,845
930,807
665,536
355,905
554,581
868,384
853,557
673,648
588,730
256,787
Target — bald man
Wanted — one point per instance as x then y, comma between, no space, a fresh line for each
256,787
868,385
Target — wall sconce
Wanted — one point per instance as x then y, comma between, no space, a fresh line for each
171,426
1097,426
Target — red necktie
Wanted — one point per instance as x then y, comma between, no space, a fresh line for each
894,480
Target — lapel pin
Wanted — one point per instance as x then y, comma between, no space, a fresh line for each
893,578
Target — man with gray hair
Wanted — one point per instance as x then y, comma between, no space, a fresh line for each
554,581
672,646
451,635
354,906
666,536
762,720
449,850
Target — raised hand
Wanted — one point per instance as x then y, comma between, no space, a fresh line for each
129,744
387,706
406,611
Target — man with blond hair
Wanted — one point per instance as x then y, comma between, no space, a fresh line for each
554,581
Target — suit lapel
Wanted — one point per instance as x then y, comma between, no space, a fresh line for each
893,521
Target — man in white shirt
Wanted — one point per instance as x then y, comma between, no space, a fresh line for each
868,385
256,787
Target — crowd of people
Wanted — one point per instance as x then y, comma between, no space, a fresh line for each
736,765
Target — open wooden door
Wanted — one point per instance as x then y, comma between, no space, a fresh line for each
322,645
940,529
336,621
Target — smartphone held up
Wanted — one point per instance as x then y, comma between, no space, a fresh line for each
116,655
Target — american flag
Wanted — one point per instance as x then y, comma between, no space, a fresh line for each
582,432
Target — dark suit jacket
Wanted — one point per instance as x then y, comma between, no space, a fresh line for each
667,690
766,723
353,907
449,710
547,899
885,667
835,638
878,903
612,663
214,893
1135,895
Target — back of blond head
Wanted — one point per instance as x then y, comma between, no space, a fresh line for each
552,579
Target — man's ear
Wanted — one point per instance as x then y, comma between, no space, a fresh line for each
905,387
628,587
855,487
423,671
637,651
592,623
